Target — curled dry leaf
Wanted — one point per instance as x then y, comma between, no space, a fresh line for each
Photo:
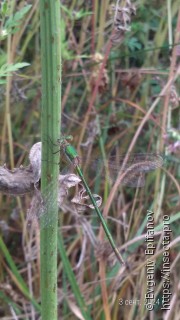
16,182
35,161
40,204
22,180
65,182
122,20
97,60
81,198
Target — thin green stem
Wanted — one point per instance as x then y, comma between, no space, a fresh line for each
103,222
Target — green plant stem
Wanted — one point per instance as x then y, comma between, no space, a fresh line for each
50,130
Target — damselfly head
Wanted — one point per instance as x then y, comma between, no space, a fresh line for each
62,139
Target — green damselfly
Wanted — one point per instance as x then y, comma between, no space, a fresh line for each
133,175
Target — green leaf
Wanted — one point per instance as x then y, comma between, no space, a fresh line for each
75,15
134,44
4,9
66,53
20,14
15,20
80,14
6,69
69,13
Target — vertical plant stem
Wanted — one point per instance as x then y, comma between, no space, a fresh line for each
7,120
50,131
